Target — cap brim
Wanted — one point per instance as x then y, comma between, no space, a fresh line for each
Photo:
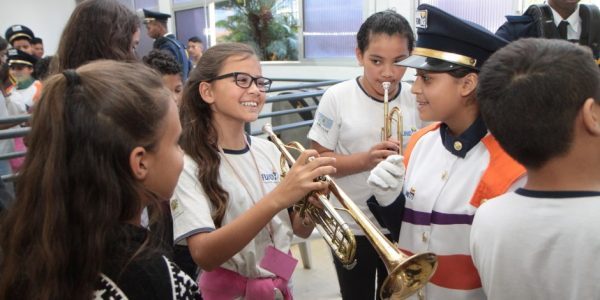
428,64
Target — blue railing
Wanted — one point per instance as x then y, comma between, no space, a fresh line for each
303,99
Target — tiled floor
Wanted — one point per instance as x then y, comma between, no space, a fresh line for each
320,281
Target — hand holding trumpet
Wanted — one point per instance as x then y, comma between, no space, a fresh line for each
300,179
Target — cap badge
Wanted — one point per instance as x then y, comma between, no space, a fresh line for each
421,19
17,28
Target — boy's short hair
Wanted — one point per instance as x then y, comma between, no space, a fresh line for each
530,93
388,22
163,62
195,39
36,40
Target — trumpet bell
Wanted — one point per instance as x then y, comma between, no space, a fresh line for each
409,276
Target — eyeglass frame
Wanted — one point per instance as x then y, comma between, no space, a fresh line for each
235,80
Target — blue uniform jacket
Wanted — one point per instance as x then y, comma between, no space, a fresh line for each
170,44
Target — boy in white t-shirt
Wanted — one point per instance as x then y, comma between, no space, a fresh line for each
541,99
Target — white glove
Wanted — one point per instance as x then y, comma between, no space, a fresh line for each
386,179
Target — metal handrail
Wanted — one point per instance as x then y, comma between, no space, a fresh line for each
312,89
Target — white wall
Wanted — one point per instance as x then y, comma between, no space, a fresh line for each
46,18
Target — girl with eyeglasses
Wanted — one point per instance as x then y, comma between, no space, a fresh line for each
231,205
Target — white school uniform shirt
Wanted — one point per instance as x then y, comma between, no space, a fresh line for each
349,121
191,209
538,245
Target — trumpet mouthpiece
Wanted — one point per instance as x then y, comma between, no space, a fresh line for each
386,85
267,128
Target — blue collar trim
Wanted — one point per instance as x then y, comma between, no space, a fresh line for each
462,144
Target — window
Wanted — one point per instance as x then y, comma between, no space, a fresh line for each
330,27
487,13
191,22
271,27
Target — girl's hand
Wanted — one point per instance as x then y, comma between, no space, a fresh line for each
300,180
380,152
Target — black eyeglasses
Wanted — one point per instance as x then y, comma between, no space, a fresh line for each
244,80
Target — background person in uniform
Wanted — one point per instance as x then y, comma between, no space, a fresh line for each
451,166
541,241
156,25
558,19
19,37
38,47
195,48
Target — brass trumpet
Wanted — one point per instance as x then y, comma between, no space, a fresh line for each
406,276
388,117
328,222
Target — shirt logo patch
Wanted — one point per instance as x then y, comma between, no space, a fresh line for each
324,122
272,177
176,209
410,194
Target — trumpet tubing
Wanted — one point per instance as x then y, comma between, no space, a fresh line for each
389,117
407,275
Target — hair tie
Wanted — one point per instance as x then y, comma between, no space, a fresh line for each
72,77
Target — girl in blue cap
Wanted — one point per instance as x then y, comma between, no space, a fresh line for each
451,166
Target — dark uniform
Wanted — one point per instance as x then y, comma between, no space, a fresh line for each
538,21
170,43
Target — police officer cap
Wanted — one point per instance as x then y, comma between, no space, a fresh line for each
19,57
18,31
446,42
154,16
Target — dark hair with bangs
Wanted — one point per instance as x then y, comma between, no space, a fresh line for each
388,22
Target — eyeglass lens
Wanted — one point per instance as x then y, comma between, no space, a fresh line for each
245,81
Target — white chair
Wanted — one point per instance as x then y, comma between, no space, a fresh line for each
304,247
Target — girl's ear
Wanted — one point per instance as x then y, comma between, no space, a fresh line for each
206,92
359,56
469,84
138,163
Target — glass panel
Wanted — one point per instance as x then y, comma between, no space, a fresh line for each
487,13
270,26
330,31
189,23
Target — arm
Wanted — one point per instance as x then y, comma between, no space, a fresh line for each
211,249
361,161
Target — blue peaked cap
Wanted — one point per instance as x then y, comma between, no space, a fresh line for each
446,42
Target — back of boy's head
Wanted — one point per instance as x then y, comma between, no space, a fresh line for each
82,132
163,62
530,93
388,22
